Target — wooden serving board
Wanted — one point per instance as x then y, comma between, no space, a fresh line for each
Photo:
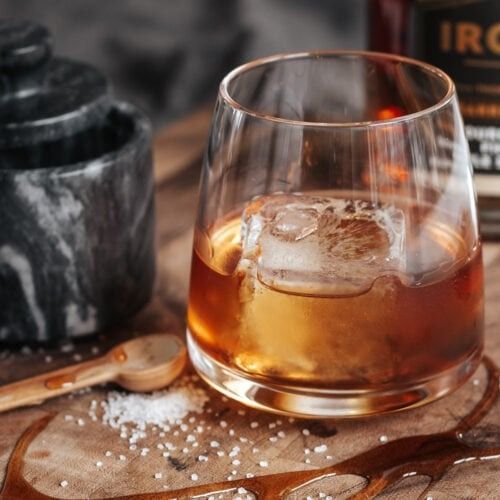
67,451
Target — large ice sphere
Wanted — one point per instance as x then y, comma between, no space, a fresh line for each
316,245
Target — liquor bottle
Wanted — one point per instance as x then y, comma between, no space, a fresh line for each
462,37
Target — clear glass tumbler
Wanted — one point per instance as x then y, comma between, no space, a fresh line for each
337,265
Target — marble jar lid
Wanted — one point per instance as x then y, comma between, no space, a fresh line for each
44,99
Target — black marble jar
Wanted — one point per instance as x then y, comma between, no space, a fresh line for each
76,196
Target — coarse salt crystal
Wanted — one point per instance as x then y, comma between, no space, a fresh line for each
320,449
241,412
122,458
236,462
263,463
190,439
194,477
242,491
306,432
158,475
273,439
223,424
383,438
108,453
249,475
63,483
281,434
158,409
220,453
98,464
202,458
214,444
254,425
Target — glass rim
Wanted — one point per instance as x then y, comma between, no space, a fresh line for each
362,54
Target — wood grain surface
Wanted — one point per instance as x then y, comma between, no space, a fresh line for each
66,451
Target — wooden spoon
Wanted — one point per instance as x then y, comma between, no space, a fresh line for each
145,363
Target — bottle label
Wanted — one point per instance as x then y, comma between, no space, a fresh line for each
463,38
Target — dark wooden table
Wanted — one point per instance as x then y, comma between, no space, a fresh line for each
66,451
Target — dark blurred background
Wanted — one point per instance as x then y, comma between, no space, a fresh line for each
168,56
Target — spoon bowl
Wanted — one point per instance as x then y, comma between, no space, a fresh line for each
149,363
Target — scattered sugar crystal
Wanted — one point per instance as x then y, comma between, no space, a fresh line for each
184,427
158,475
243,439
98,464
191,420
223,424
383,438
263,463
273,439
108,453
307,460
307,451
236,462
132,447
122,458
81,422
214,444
249,475
202,458
320,449
166,454
194,477
281,434
185,450
190,439
63,483
231,432
242,491
255,450
220,453
67,348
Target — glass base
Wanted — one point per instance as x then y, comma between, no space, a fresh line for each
306,402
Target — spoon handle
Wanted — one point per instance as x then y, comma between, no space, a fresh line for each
48,385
